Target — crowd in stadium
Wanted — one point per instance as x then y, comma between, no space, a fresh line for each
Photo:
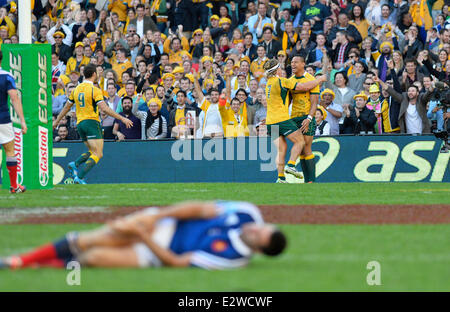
158,60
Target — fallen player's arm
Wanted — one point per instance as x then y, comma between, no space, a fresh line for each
309,85
189,210
166,256
182,211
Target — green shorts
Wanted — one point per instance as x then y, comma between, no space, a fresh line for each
90,129
284,128
312,125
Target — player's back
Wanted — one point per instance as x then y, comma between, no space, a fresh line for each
202,233
277,101
6,83
86,97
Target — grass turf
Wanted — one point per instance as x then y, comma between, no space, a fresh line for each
319,258
262,193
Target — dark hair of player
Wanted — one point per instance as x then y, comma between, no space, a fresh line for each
89,70
276,245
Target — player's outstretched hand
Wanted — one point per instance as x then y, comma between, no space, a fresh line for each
305,125
24,127
128,123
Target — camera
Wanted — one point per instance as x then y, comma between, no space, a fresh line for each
442,95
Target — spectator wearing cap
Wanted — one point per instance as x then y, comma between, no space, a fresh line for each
271,45
374,104
74,63
60,30
249,46
63,50
257,66
382,56
82,28
257,22
360,119
322,126
227,25
153,124
143,23
333,111
352,32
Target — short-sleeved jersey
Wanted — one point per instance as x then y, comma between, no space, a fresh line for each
6,83
86,96
277,99
215,243
301,101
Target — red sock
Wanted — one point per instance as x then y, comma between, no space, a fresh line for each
42,254
12,170
53,263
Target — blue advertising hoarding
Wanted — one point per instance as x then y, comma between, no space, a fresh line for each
339,159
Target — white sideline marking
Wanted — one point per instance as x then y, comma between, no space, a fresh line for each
9,215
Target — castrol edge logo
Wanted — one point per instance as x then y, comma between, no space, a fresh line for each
43,156
18,151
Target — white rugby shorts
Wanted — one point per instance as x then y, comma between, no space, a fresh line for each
162,235
6,133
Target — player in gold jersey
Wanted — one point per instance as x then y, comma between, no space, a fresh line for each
304,105
278,118
88,100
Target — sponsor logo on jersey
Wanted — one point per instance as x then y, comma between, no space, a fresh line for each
219,245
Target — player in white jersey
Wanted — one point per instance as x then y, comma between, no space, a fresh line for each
8,88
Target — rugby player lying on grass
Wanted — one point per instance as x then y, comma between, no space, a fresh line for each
210,235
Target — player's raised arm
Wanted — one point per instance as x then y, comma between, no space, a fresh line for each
108,111
306,86
17,104
198,89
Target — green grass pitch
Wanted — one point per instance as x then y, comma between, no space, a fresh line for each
318,258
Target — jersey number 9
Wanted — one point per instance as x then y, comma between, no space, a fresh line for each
81,99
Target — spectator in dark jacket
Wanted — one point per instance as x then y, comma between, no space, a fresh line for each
181,13
359,119
353,34
81,29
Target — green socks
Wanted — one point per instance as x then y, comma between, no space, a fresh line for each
88,165
308,164
83,157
